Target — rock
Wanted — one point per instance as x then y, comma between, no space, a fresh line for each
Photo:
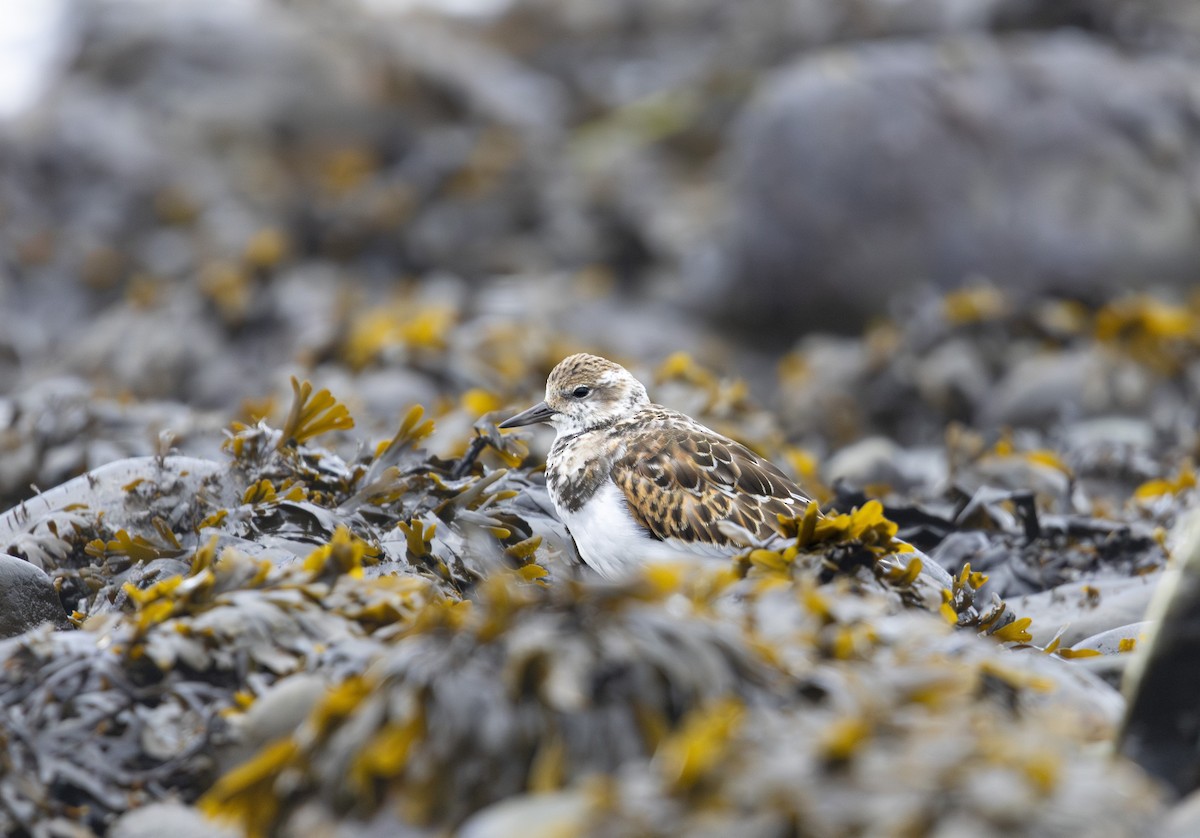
1163,683
174,819
27,598
279,711
1044,388
870,460
532,815
175,481
878,460
1184,820
954,378
822,398
1046,162
158,364
1098,705
1113,431
1087,609
1148,24
1009,473
1065,386
1109,642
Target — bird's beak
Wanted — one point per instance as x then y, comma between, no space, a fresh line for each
540,412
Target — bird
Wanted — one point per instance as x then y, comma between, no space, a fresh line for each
637,483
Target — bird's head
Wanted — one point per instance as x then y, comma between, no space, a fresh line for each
584,392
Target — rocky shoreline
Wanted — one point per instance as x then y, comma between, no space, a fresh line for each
271,274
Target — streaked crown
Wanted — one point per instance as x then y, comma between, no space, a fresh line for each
587,391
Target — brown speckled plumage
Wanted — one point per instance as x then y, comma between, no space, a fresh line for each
681,479
675,479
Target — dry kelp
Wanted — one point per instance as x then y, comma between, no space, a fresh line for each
691,701
197,584
460,666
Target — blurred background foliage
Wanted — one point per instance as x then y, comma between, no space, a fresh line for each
871,218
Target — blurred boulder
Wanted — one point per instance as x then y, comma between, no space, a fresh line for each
168,818
218,144
27,598
1044,162
1183,821
879,462
1160,731
1069,385
1140,24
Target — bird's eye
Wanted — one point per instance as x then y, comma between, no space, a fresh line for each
581,392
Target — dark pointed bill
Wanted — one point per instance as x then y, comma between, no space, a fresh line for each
540,412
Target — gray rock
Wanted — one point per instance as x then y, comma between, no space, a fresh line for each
1085,609
1183,821
954,378
541,815
27,598
158,364
879,460
1006,474
278,712
174,819
870,460
1044,162
1109,642
1163,683
1044,389
176,479
825,399
1147,24
1126,431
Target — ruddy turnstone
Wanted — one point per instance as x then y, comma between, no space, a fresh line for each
635,482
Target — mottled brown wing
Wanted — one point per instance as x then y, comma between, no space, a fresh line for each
695,478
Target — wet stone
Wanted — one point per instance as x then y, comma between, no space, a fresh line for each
168,819
27,598
865,172
1160,731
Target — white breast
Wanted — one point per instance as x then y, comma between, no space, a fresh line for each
608,538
